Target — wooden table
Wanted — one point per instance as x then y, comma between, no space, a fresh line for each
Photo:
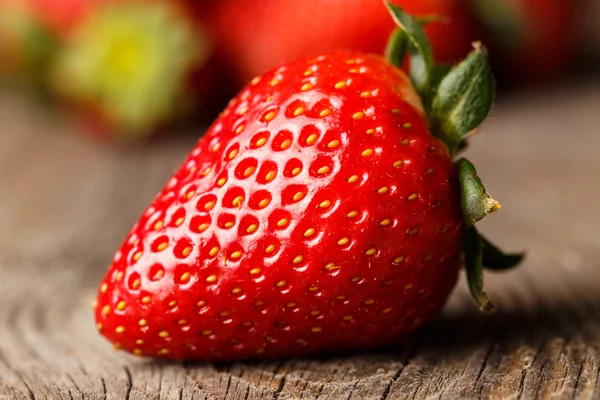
66,203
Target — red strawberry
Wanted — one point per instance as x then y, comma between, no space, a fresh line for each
318,213
258,35
532,39
130,65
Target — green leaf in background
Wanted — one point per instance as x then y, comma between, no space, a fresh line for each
397,45
476,203
473,253
463,99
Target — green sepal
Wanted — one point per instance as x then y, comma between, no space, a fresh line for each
397,45
476,203
496,259
421,58
473,257
463,99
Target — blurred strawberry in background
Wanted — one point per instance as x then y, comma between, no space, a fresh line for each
530,40
26,47
127,67
254,36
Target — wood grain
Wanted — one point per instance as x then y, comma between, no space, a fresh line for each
66,203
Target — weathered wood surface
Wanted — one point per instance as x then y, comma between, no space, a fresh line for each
65,205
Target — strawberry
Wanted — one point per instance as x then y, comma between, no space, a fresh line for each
131,67
258,35
532,39
318,213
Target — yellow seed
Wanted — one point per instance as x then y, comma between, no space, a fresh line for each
206,171
263,203
315,312
325,204
428,257
224,313
281,283
298,259
270,248
104,287
190,194
185,277
323,170
385,222
106,310
236,290
291,305
117,346
269,116
340,85
370,131
412,196
408,287
355,279
306,86
209,205
371,251
308,72
352,214
333,144
158,225
142,322
325,112
247,323
259,303
353,179
99,327
162,246
237,201
249,171
221,182
121,305
179,221
211,278
137,256
347,317
203,227
207,332
172,303
120,329
413,231
311,139
163,334
299,111
387,283
358,115
139,341
235,255
398,260
255,271
298,196
282,222
216,147
252,228
309,232
407,125
367,153
354,71
243,110
146,299
383,190
260,350
365,94
213,252
387,310
270,176
95,304
274,82
316,329
331,266
255,80
137,352
186,252
429,171
296,171
369,301
343,241
228,225
286,144
395,111
405,142
232,154
163,352
313,288
260,142
398,164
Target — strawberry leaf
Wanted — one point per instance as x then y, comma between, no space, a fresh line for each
494,258
421,59
473,252
395,50
476,203
463,99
